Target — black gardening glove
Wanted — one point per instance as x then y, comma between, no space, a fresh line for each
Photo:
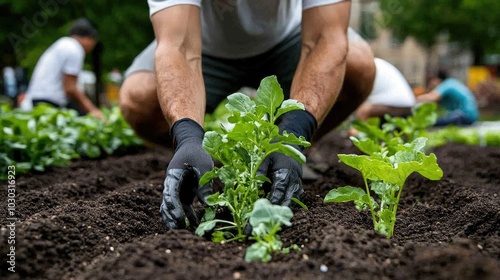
189,162
284,171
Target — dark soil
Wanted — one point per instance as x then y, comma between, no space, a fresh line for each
100,220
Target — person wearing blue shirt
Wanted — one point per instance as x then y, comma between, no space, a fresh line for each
453,96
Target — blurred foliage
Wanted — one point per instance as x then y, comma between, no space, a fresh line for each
464,135
29,27
472,23
53,137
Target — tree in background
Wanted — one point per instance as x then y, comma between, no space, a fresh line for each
29,27
472,23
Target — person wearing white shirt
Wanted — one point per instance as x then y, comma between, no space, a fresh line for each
55,77
391,94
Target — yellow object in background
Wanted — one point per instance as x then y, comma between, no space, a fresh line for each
419,90
477,74
112,91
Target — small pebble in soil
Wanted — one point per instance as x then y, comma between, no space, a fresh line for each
479,246
323,268
107,237
168,251
305,257
111,249
119,224
236,275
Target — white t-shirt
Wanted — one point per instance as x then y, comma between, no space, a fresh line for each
244,28
65,56
390,87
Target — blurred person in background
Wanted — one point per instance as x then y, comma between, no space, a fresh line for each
10,82
55,77
391,94
454,97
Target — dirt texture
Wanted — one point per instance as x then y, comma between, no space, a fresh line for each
100,220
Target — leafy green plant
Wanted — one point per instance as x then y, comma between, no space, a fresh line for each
464,135
241,150
492,139
394,150
266,220
384,175
396,130
53,137
410,128
218,118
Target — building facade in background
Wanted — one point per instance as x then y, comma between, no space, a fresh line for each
415,61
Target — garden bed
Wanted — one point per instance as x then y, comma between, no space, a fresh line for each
99,219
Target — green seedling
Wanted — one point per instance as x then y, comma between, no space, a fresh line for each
266,220
396,130
241,149
384,177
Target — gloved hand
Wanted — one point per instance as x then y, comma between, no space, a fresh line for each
285,172
189,162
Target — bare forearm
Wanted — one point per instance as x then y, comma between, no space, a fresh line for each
432,96
319,76
81,99
181,91
321,70
179,78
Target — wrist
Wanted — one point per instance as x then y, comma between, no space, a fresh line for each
186,130
299,123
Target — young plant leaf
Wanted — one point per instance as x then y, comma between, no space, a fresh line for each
241,103
289,105
257,252
300,203
270,96
344,194
266,213
367,145
207,226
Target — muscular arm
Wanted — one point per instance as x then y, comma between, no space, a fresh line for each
181,91
72,91
320,73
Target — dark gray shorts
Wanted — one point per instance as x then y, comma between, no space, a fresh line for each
225,76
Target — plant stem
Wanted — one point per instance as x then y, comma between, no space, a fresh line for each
370,201
236,216
394,210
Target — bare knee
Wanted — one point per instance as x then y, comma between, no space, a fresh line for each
138,94
140,107
360,69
